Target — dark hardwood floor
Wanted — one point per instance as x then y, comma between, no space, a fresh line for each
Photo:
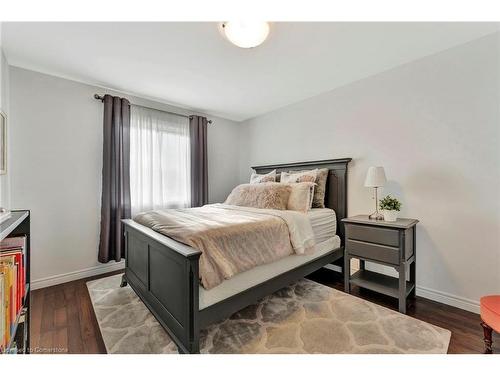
63,320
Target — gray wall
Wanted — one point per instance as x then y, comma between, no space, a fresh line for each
56,158
4,107
434,125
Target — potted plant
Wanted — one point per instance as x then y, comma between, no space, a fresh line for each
390,207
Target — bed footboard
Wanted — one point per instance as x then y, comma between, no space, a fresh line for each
164,274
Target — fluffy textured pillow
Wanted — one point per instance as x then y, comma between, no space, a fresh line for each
267,195
301,196
261,178
320,189
299,176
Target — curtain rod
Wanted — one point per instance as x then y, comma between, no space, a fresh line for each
101,98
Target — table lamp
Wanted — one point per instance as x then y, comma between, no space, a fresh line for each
375,178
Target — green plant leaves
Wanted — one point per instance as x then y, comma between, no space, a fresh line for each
390,204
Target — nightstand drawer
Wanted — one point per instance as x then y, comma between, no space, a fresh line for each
382,236
373,251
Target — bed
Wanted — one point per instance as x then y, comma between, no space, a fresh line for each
165,273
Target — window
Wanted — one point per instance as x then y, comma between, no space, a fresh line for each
160,168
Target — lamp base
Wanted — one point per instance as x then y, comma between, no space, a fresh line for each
376,216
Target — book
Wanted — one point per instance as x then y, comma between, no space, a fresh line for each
2,315
12,286
5,269
11,243
20,272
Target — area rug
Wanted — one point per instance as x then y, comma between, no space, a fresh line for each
306,317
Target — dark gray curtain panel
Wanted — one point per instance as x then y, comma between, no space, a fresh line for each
199,162
115,201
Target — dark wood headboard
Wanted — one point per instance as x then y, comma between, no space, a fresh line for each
336,184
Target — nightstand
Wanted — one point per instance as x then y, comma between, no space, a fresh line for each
388,243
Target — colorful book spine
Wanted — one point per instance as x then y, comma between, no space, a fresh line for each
2,315
12,286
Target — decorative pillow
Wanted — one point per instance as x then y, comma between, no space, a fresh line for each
301,196
260,178
320,189
267,195
298,176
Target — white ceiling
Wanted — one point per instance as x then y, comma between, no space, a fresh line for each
193,66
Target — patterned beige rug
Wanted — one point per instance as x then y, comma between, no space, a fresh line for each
306,317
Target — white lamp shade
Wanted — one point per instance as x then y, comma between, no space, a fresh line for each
375,177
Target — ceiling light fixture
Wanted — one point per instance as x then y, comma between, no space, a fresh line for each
246,34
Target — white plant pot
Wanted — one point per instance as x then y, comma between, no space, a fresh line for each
390,215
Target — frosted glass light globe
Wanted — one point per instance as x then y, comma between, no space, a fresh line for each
246,34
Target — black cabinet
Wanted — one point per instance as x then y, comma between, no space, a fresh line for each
18,225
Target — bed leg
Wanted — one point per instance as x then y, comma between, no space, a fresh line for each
124,281
195,347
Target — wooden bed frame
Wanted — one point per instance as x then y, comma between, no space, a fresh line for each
164,272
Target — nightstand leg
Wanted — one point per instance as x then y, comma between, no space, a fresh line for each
413,279
402,288
347,273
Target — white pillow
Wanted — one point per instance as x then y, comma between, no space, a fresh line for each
306,176
301,196
260,178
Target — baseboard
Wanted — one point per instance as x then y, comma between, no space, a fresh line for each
75,275
333,267
448,299
433,295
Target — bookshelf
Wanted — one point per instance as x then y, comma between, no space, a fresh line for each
18,225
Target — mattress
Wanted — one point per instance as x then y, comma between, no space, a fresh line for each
323,222
260,274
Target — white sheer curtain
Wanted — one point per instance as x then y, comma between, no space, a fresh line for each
159,160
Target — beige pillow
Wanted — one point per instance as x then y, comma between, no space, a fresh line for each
261,178
301,196
320,189
298,176
266,195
